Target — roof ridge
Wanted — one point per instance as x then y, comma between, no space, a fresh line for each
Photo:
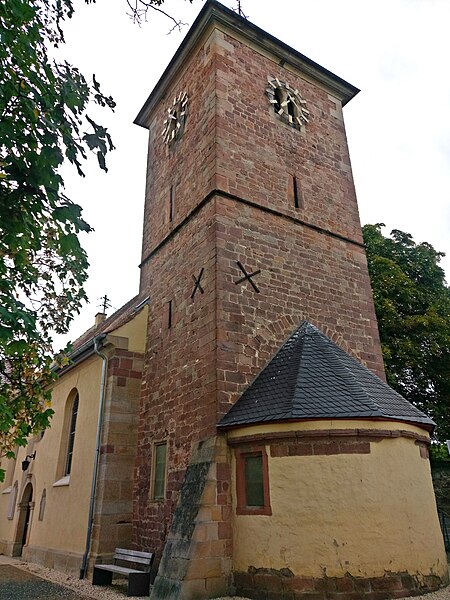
300,345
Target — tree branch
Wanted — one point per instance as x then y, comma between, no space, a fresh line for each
139,11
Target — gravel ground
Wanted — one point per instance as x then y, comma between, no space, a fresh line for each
15,584
84,589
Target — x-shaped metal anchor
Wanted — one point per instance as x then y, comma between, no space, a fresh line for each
248,277
197,284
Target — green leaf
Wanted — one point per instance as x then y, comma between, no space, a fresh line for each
43,107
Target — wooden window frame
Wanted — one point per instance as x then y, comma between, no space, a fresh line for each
241,500
163,497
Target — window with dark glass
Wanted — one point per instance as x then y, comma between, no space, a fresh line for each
252,481
159,471
254,484
73,425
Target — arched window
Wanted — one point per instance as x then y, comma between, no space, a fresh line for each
73,425
69,424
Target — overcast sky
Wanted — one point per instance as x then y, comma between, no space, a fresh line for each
398,126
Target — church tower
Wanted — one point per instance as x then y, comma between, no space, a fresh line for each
251,227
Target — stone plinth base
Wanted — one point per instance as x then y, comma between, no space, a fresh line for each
269,584
67,562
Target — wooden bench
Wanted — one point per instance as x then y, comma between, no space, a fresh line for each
138,580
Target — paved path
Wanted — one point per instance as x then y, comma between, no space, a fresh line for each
17,584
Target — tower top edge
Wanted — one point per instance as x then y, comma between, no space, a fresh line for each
216,15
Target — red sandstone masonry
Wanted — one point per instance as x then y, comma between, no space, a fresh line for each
268,584
272,152
188,166
220,340
179,385
112,525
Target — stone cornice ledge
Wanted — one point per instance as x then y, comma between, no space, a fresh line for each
372,435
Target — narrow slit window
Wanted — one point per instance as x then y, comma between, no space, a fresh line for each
297,192
42,505
294,183
171,199
159,471
169,314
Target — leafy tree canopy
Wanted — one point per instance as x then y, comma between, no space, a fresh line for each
43,121
412,303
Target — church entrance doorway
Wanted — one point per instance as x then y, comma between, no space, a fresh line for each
26,506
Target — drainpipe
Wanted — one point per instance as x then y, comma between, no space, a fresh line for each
97,345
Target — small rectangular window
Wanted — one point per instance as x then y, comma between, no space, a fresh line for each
159,471
254,485
252,482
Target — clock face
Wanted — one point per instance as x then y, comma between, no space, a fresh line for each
287,103
176,117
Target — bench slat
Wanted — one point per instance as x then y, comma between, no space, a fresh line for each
142,561
116,569
134,553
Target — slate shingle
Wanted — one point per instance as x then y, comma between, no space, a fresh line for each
310,377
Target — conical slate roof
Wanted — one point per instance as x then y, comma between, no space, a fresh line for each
312,378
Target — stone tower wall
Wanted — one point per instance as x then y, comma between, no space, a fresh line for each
178,398
188,165
231,175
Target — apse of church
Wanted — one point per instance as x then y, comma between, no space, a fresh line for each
251,227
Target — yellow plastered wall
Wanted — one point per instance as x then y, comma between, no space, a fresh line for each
65,522
66,511
359,513
136,331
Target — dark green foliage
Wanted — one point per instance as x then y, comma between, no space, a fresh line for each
412,302
439,452
43,121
